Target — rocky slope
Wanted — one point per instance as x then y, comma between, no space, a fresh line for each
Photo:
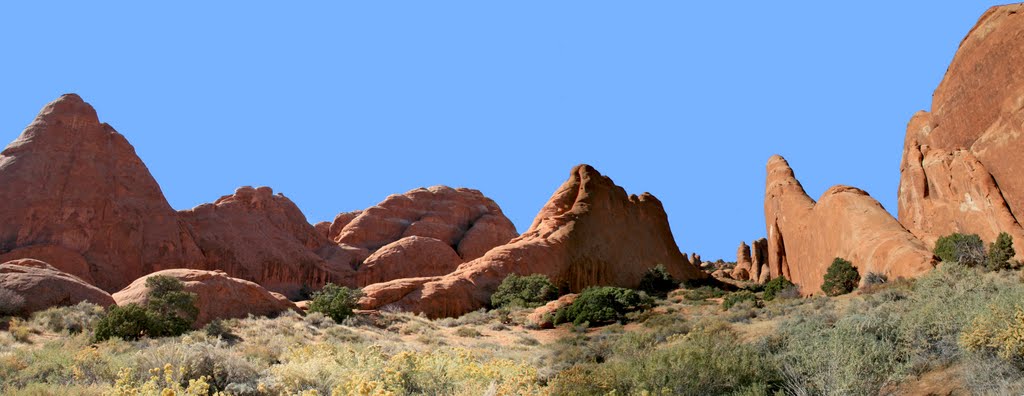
589,233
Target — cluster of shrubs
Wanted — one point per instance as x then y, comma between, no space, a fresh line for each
602,305
169,311
969,250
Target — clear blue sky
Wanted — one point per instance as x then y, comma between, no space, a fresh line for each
338,106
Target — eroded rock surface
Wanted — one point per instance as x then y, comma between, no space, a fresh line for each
961,169
589,233
805,236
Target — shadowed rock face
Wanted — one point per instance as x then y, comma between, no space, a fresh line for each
74,189
961,169
42,286
805,236
589,233
218,296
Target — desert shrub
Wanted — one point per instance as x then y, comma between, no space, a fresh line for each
874,279
714,363
221,367
964,249
657,282
604,304
841,278
703,293
11,303
734,298
337,302
773,287
529,291
343,369
1000,253
169,311
20,330
985,374
467,332
129,322
856,355
73,319
174,309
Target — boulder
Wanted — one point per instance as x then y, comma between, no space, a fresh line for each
589,233
543,316
75,192
805,236
42,286
961,165
409,257
219,296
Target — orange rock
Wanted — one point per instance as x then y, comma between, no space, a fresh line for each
543,316
263,237
43,286
589,233
759,259
218,295
408,257
73,188
743,263
961,165
805,236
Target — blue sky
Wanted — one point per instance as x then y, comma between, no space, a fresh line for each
339,105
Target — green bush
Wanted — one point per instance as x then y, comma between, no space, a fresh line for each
734,298
604,304
174,309
129,322
1000,253
703,363
966,249
841,278
169,311
337,302
703,293
774,286
657,282
529,291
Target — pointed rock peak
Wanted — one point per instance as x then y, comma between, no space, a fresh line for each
69,108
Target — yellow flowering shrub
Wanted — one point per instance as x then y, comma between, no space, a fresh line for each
998,330
343,370
164,382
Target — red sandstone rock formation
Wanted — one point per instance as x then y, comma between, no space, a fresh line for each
589,233
75,192
743,263
804,236
961,169
759,260
408,257
258,236
43,286
218,295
